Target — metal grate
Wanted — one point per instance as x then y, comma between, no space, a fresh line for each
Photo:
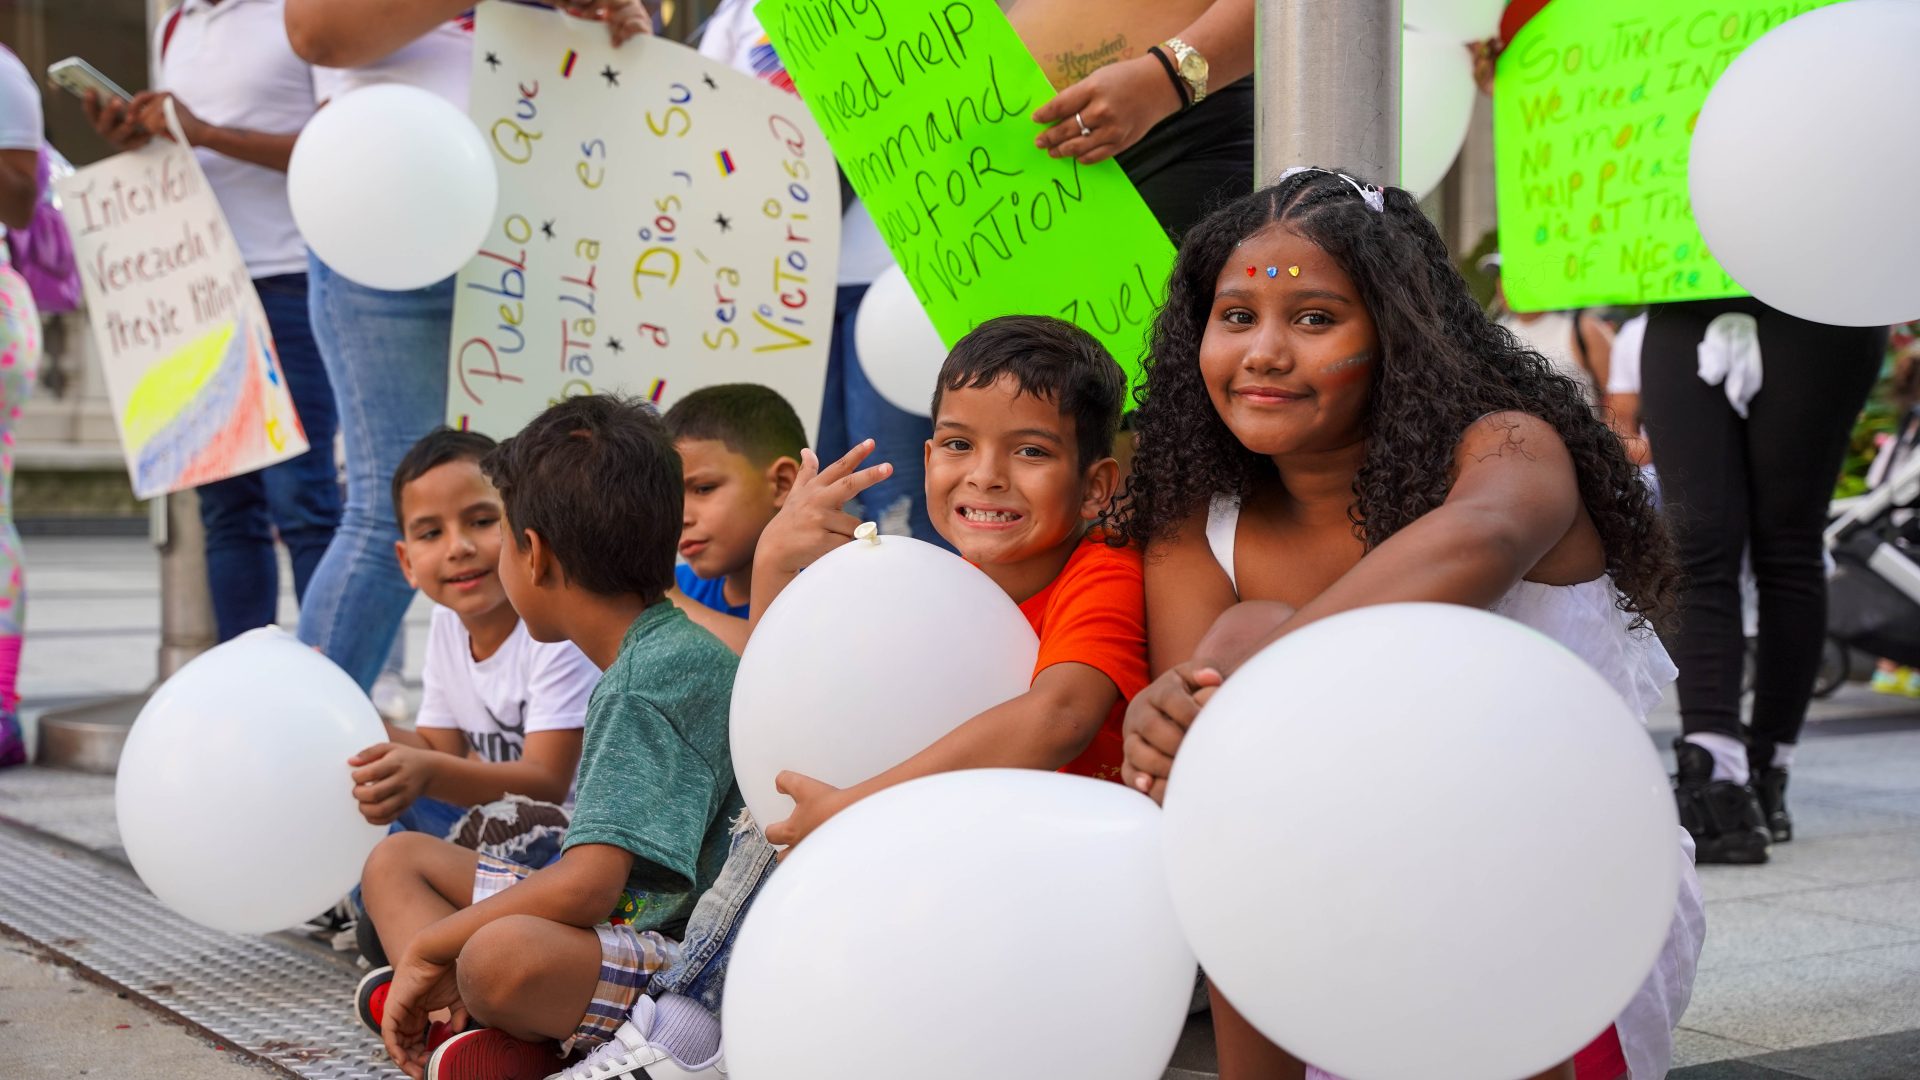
274,1000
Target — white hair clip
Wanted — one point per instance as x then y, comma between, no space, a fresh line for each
1375,199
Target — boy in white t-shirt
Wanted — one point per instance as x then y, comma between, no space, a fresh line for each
501,714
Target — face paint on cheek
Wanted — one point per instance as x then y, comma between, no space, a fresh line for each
1343,373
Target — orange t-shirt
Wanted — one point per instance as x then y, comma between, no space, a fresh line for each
1095,613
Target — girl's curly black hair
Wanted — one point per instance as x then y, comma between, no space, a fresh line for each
1442,364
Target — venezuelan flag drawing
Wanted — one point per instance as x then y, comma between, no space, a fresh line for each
197,413
566,64
725,161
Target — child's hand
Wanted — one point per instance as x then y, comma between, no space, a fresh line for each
812,523
388,777
625,19
1158,720
814,802
420,986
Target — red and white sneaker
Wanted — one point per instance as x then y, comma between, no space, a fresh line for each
370,1004
370,998
491,1054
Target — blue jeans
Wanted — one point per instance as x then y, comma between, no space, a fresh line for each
298,498
700,972
852,410
386,353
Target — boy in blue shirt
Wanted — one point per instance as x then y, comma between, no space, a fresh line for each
554,959
739,449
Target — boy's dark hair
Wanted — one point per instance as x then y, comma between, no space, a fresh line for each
598,478
1442,364
754,421
436,448
1051,359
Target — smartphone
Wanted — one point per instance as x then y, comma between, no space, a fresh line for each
76,76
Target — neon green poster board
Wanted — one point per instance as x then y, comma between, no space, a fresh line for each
928,106
1594,104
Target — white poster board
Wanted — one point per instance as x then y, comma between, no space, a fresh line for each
665,223
197,390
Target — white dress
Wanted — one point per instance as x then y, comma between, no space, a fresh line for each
1585,619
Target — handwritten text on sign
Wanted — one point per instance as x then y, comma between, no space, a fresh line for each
189,361
665,223
928,106
1594,107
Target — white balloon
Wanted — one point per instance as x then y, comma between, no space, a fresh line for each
1799,158
867,658
900,351
1458,20
234,796
1010,909
1460,872
392,186
1436,107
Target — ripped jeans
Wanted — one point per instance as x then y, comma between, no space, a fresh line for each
700,972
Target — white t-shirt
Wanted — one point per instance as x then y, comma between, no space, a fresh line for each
441,60
231,64
735,38
21,125
524,687
1623,374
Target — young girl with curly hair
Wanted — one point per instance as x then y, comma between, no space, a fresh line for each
1329,421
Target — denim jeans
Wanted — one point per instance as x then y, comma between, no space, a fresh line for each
299,499
386,353
853,410
700,972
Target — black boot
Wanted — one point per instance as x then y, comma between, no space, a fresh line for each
1771,784
1724,817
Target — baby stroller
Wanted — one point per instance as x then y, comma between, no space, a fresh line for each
1873,599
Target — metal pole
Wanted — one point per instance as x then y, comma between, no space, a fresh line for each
1327,73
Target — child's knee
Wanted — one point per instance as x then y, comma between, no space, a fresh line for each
495,967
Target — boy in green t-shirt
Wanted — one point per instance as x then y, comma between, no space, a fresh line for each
592,493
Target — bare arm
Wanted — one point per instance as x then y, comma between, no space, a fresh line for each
730,629
544,772
1596,339
579,890
1514,501
1623,416
19,187
1044,728
351,33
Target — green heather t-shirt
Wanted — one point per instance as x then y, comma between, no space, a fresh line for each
656,778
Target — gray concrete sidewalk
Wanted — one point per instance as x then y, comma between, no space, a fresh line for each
1812,963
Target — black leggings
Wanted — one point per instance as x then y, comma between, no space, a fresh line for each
1762,482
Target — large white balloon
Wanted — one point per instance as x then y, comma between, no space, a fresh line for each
1460,872
867,658
1436,107
1458,20
1801,158
234,797
392,186
900,351
1010,909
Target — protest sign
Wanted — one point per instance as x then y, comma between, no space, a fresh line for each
1593,109
665,223
190,365
928,104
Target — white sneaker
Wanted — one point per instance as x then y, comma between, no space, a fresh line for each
629,1056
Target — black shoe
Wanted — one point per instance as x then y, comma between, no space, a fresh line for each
1771,784
365,938
1723,817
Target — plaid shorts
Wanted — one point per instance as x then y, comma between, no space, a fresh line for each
628,957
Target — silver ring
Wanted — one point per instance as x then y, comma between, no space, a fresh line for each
1084,129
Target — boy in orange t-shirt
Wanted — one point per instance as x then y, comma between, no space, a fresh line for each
1018,469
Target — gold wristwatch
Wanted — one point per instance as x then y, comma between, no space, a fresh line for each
1191,66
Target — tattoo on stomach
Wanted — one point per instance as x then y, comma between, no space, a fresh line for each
1075,65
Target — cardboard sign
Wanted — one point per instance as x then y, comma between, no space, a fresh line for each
196,385
928,104
665,223
1593,110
